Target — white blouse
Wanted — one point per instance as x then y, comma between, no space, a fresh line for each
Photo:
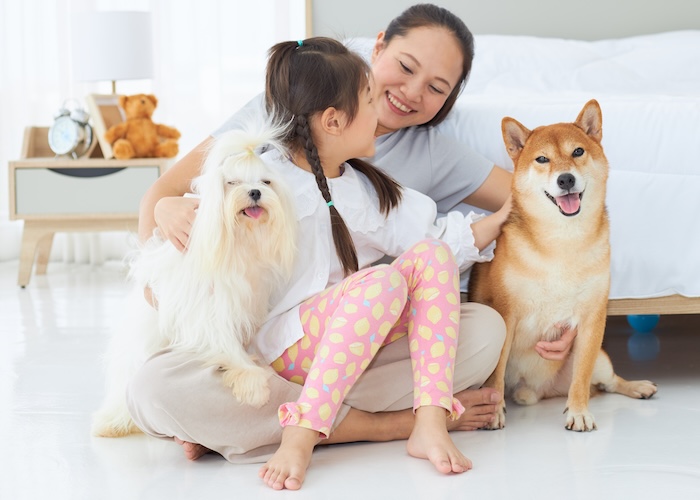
375,235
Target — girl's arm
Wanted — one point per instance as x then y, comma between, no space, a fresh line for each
469,236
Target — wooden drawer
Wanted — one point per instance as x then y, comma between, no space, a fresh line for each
48,188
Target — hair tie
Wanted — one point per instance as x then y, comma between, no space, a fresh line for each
300,43
330,203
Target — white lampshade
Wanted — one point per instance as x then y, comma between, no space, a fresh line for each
112,45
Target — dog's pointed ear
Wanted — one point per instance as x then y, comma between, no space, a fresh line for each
590,120
514,135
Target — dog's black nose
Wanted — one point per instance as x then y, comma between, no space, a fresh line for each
255,194
566,181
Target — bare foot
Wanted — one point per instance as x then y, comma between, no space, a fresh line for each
192,450
287,467
430,440
479,409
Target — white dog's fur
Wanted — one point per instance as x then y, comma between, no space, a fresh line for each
212,299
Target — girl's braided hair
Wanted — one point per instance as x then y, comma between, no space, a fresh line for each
305,78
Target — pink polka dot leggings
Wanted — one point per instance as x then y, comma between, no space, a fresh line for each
346,324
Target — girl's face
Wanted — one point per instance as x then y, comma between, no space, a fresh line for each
359,135
413,76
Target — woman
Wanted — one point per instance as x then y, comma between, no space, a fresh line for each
419,66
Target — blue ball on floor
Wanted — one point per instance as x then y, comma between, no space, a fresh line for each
643,322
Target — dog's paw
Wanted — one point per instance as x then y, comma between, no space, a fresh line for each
112,425
249,385
499,421
638,389
580,421
642,389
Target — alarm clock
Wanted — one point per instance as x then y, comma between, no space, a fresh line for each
70,134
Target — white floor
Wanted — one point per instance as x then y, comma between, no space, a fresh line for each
53,332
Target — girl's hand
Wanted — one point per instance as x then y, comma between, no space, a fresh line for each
175,216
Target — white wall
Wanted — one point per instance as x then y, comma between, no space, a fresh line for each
581,19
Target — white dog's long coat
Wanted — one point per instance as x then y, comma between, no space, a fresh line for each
211,299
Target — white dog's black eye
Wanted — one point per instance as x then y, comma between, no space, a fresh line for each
267,182
233,183
577,152
542,159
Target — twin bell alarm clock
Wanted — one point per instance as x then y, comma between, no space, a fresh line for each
70,134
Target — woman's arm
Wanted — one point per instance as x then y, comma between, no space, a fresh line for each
487,229
493,192
163,205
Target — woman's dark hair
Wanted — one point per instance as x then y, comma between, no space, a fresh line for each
305,78
429,15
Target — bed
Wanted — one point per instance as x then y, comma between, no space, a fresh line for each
648,87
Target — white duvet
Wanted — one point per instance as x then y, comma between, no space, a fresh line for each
649,90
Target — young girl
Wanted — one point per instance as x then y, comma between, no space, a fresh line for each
325,329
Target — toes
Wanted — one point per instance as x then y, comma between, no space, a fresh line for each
487,396
281,478
455,463
443,465
494,397
461,465
292,483
447,461
475,398
273,478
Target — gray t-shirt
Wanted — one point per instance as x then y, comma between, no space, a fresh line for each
421,158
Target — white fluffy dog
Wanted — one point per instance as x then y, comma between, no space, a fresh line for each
212,299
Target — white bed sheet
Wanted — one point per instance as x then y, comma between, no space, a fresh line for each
649,91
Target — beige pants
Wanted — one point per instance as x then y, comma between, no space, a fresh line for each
173,395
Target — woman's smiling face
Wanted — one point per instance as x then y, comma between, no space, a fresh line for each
413,75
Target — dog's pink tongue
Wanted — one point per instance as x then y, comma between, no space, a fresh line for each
569,203
254,212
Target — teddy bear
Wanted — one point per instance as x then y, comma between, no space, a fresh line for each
138,136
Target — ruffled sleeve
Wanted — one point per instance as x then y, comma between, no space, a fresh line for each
414,220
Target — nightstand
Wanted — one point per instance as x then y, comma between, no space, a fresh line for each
55,195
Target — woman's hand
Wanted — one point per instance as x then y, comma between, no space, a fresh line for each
557,350
503,212
175,216
150,297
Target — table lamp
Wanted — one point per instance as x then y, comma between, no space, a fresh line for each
112,45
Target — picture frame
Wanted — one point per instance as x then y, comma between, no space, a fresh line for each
104,112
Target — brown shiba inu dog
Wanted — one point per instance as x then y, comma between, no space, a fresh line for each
551,268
